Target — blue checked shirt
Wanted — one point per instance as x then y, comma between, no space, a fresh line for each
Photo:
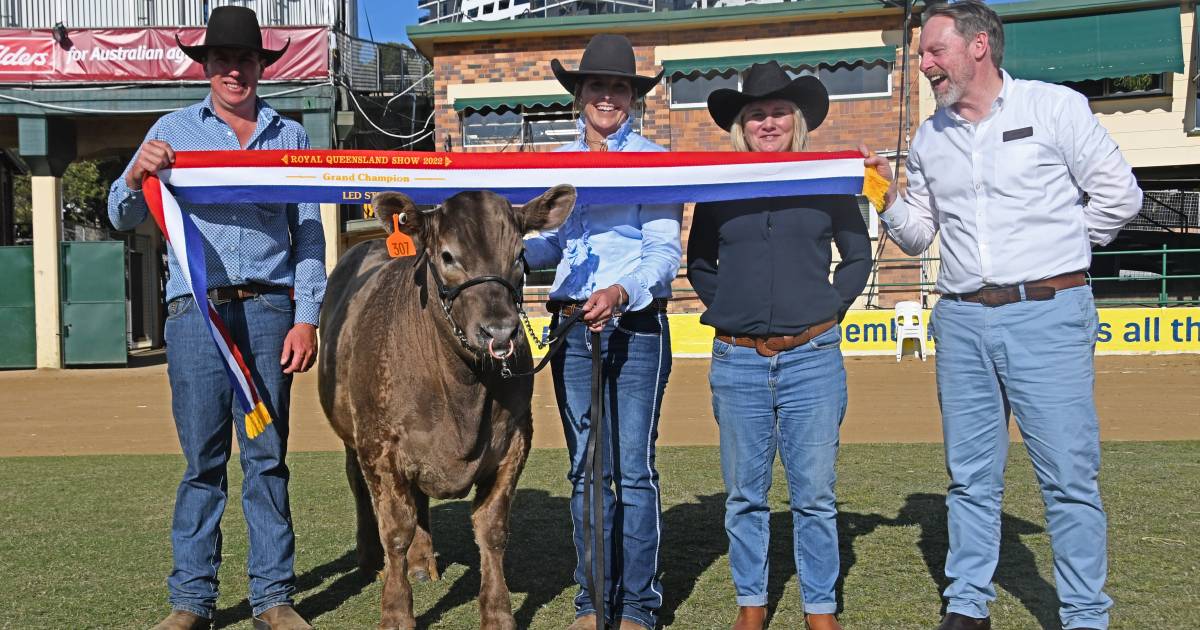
270,243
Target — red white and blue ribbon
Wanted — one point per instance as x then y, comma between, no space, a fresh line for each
214,177
429,178
187,243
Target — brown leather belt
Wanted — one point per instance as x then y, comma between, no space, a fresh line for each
771,346
221,295
1037,291
567,309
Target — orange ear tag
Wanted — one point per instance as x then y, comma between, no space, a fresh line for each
399,244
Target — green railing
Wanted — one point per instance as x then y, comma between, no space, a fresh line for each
1164,298
874,289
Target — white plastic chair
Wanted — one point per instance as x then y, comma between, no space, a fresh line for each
910,324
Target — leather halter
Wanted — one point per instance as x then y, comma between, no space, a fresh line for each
447,294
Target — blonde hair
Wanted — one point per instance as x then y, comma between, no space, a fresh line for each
737,132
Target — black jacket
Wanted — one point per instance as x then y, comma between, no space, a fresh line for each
761,266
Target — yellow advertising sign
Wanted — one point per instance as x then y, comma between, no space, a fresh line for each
1121,331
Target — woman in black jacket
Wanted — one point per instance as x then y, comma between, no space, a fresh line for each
761,267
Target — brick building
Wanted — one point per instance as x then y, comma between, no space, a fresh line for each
494,90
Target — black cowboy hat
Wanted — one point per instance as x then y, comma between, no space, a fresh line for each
766,81
232,27
606,55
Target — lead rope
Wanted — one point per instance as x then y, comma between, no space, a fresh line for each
554,341
593,491
593,467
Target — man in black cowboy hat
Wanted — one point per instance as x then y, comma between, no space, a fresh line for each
266,272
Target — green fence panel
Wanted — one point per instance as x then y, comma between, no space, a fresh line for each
18,336
93,303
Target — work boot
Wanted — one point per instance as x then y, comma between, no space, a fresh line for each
183,620
281,618
955,621
750,618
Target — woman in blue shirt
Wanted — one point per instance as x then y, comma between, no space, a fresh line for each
616,262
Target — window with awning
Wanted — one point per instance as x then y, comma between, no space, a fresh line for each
1094,47
503,121
514,103
847,72
811,59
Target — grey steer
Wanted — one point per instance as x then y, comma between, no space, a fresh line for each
410,379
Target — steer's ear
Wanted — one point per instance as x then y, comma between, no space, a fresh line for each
391,204
548,210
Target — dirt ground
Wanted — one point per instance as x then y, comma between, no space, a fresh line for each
102,411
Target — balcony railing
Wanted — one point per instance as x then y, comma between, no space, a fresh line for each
134,13
366,66
435,11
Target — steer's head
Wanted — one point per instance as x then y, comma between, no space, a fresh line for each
474,236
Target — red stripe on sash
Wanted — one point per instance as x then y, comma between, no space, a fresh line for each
474,161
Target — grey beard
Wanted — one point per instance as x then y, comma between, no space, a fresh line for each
952,95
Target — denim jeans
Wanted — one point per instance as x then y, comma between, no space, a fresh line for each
206,417
1035,359
792,403
636,354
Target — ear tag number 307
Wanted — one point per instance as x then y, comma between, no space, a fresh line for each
399,244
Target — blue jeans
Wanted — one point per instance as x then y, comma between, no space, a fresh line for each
206,417
636,353
1035,359
792,403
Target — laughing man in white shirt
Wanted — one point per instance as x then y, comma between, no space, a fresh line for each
1021,180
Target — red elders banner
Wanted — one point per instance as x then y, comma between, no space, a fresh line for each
129,54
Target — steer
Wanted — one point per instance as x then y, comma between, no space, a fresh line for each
411,379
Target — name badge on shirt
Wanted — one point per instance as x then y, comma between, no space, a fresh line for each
1017,134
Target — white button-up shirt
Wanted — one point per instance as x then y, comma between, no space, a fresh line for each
1007,193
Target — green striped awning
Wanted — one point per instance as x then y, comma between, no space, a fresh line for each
511,102
791,60
1101,46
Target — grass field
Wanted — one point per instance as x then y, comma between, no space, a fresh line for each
84,543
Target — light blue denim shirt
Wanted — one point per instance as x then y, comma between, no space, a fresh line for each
634,245
270,243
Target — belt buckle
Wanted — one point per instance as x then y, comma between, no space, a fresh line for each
995,295
760,346
214,296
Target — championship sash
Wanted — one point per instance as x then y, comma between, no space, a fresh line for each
186,242
215,177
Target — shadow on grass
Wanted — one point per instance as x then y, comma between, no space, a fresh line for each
541,558
350,582
1016,572
538,562
693,539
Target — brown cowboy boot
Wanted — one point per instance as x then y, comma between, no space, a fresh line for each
585,622
183,620
281,618
822,622
629,624
750,618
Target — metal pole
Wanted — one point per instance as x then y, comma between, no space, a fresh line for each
1162,296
